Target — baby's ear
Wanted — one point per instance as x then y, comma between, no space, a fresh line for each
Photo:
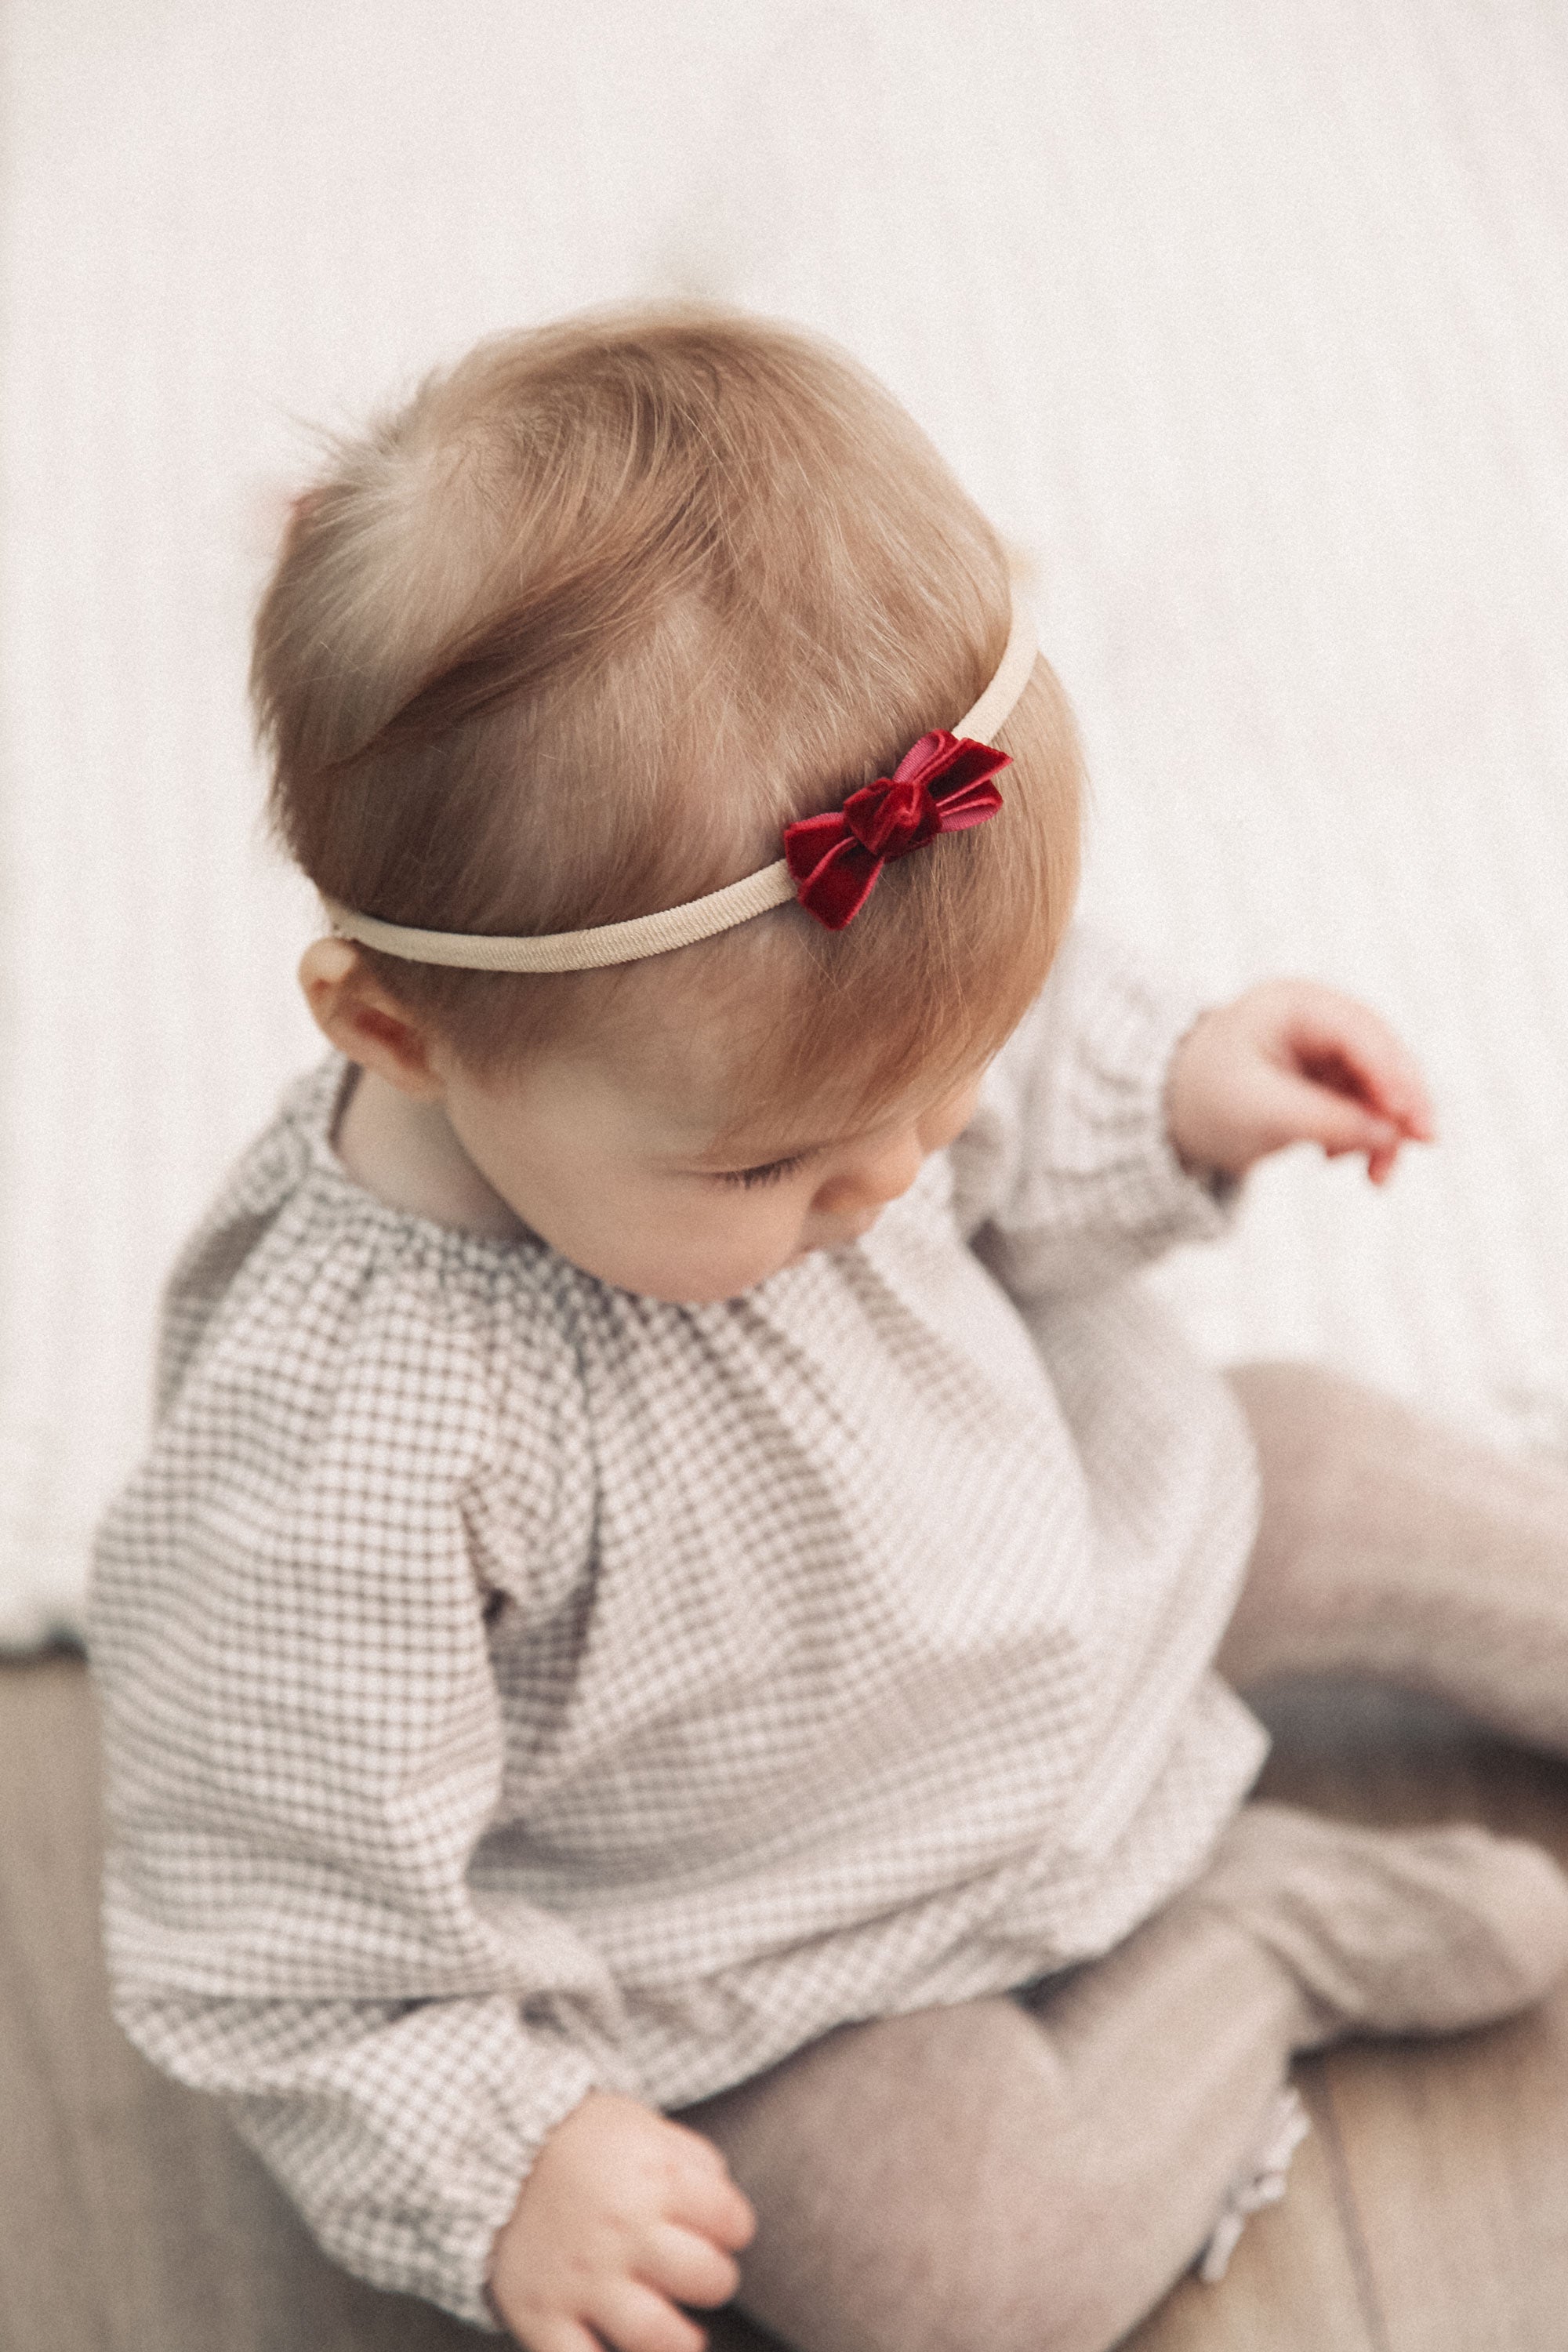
355,1014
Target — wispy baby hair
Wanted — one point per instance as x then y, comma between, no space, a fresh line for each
573,633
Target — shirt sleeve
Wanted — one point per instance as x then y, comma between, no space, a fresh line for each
1066,1177
304,1745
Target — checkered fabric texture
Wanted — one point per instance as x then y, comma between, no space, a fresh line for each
511,1683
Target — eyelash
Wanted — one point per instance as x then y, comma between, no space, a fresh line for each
769,1175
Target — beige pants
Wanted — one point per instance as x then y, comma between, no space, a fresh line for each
1031,2174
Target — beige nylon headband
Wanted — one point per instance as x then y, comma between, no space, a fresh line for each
676,927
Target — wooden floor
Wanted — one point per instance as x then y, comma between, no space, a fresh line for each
1427,2212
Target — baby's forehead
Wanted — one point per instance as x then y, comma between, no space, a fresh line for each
717,1124
690,1093
740,1076
722,1118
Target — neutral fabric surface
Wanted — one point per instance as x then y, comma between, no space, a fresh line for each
1248,324
510,1683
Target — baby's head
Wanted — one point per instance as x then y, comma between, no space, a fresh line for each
570,639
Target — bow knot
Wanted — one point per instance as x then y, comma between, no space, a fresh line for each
943,786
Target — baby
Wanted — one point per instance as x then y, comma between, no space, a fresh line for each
659,1677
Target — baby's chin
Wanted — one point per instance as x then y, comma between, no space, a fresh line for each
678,1285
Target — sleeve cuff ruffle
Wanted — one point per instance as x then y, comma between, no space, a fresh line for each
402,2133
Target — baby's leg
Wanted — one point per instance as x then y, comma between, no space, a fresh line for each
1393,1548
1001,2177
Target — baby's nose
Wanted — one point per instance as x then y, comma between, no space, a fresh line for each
874,1177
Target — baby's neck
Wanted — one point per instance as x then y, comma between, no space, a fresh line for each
407,1154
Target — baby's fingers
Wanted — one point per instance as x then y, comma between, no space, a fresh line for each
559,2334
1301,1112
638,2319
1349,1050
709,2202
691,2268
1380,1164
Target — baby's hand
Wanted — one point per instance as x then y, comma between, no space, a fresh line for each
1289,1062
624,2215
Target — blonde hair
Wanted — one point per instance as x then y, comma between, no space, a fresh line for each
573,635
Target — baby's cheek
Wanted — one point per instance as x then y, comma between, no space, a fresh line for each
755,1238
699,1254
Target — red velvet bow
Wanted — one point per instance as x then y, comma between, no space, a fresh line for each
940,787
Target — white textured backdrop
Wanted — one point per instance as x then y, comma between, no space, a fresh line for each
1249,323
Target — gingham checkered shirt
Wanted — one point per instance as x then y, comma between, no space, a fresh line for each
512,1684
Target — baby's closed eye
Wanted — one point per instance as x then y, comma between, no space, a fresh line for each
768,1173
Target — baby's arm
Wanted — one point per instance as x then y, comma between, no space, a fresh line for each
1290,1062
307,1742
623,2216
1117,1118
